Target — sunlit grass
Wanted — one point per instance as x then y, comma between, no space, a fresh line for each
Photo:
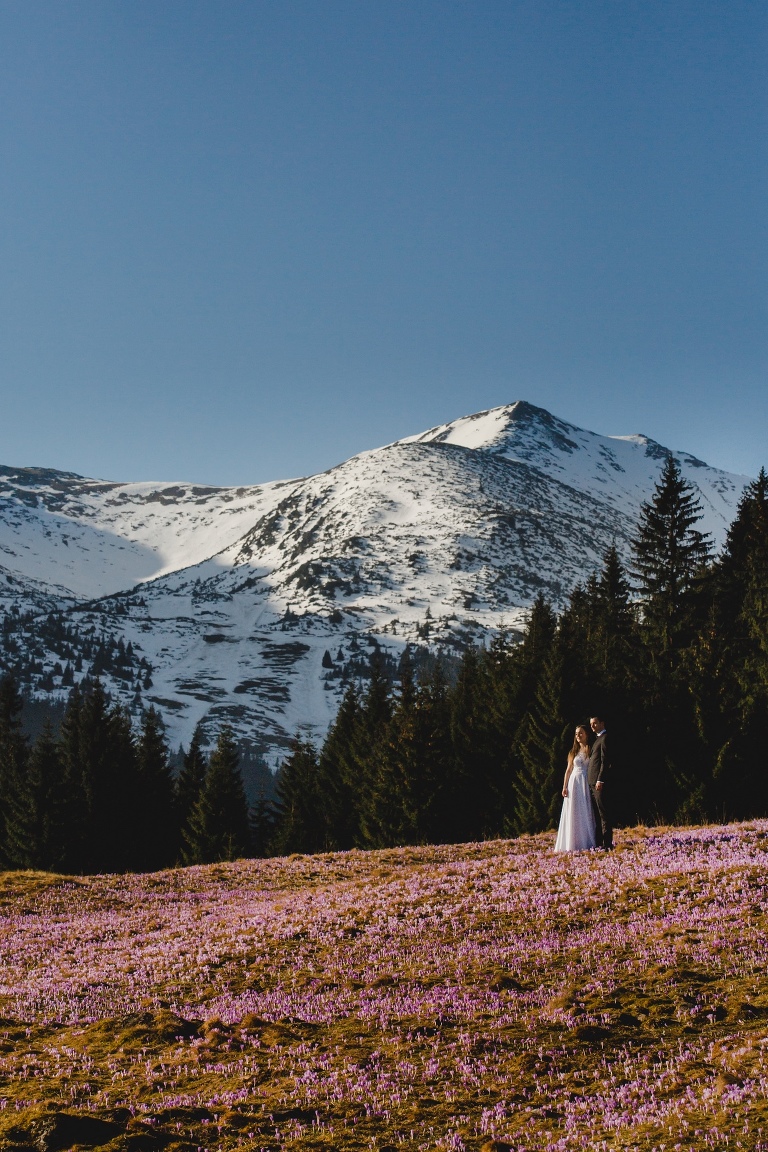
415,998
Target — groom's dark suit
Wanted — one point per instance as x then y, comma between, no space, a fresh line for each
600,769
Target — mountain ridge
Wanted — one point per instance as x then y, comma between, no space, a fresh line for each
255,605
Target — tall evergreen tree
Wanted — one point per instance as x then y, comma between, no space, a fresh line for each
370,731
104,809
262,822
218,827
530,659
477,788
741,615
75,801
434,784
613,643
543,738
118,805
388,816
505,681
743,556
615,669
13,762
670,554
155,825
300,826
189,783
338,774
37,831
558,697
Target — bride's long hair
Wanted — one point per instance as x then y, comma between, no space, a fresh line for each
576,746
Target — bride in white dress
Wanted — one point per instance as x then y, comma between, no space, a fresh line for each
577,821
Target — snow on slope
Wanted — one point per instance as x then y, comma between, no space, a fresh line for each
441,536
24,594
94,537
618,470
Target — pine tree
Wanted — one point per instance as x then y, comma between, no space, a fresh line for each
670,554
434,781
98,757
370,732
743,555
37,832
121,807
46,772
262,821
299,816
75,802
543,746
613,644
389,811
614,672
741,640
218,826
155,825
337,773
13,758
189,783
105,812
475,796
530,660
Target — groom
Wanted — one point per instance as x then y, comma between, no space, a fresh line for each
598,771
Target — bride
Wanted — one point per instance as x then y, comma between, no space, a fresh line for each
577,822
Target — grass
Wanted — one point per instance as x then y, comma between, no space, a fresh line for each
469,996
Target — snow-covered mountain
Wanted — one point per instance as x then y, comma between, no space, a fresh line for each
252,605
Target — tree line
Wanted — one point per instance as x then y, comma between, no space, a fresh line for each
100,797
672,653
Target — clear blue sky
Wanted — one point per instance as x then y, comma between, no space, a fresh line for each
244,239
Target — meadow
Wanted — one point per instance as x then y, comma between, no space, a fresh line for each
488,995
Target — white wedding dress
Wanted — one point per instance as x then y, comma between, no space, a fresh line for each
577,821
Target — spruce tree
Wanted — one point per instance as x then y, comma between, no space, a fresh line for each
262,821
46,771
538,784
613,644
389,809
530,659
299,825
189,783
370,731
744,554
218,826
155,826
38,830
104,809
475,795
669,555
434,781
544,740
338,776
13,764
741,614
75,802
615,668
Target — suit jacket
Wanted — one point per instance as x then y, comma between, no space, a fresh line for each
599,761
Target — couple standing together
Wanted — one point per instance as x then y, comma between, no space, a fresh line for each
585,822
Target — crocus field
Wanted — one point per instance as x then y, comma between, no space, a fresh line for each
459,997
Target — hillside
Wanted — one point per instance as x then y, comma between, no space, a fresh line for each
441,997
231,599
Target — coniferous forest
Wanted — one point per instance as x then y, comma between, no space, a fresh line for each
672,653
